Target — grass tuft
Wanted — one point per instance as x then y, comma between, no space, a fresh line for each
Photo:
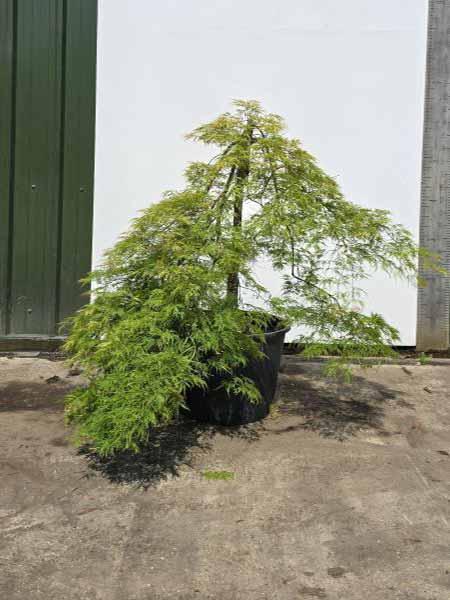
218,475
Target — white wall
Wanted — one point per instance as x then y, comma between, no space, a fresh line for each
347,75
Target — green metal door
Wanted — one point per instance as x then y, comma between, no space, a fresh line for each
47,111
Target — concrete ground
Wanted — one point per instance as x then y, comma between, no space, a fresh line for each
343,493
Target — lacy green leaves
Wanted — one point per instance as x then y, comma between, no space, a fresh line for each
168,312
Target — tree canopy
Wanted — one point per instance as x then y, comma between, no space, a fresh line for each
168,309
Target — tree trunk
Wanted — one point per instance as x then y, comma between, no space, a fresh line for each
233,278
242,174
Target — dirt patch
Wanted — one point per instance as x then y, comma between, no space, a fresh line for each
312,592
16,396
336,572
328,498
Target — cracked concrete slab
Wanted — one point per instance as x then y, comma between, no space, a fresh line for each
342,493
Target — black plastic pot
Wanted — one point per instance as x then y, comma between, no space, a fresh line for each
217,406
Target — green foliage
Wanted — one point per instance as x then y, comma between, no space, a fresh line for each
167,312
424,359
218,475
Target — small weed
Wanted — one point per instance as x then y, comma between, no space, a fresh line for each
218,475
424,359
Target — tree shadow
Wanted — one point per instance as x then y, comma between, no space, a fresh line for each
34,396
331,408
168,449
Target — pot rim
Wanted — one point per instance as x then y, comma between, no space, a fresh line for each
269,334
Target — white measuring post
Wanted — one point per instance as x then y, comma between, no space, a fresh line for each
433,311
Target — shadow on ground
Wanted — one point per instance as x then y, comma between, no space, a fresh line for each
168,449
332,408
47,396
327,407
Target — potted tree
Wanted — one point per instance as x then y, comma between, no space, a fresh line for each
179,318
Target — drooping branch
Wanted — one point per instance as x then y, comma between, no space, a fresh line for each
221,155
221,199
